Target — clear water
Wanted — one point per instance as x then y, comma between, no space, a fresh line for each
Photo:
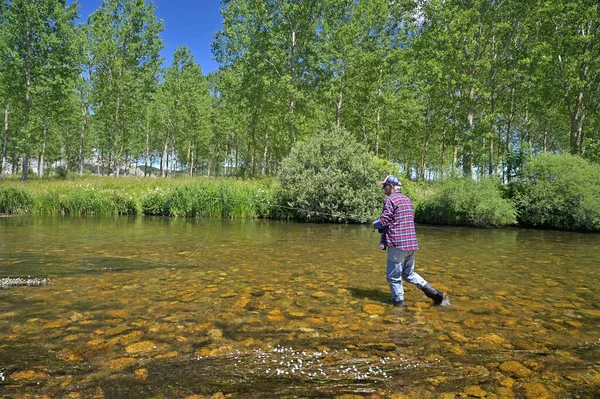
171,308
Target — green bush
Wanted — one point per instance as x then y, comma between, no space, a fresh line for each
558,191
465,202
154,203
330,177
123,204
15,200
85,201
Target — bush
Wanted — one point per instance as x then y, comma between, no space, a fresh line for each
85,201
15,200
558,191
465,202
330,177
123,204
154,203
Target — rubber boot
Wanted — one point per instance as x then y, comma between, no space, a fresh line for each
398,304
437,296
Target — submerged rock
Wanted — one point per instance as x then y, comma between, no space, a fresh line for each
515,369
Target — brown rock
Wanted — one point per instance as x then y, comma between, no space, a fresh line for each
127,338
141,374
318,294
458,337
115,330
535,390
140,347
215,334
507,382
494,339
515,369
475,391
29,375
56,324
535,366
373,309
120,364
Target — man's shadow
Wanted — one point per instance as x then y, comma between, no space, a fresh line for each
372,294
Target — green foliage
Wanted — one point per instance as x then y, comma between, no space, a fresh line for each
82,201
330,177
219,199
15,200
154,203
559,191
467,203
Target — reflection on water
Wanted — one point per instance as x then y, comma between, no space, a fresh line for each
162,308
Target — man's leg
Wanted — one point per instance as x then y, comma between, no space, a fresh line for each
408,270
409,274
393,275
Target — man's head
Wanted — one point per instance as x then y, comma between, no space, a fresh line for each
390,184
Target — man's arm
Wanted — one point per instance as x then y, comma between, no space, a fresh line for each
386,216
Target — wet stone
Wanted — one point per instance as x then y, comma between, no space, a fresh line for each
515,369
140,347
536,390
56,324
373,309
141,374
120,364
455,336
29,376
475,391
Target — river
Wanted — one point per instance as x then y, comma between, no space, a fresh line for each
177,308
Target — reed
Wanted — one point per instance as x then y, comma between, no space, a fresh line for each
176,197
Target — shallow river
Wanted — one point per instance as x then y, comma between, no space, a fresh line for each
161,308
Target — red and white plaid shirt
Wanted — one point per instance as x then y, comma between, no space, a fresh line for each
398,220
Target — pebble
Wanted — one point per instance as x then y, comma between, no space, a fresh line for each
515,369
141,347
475,391
536,390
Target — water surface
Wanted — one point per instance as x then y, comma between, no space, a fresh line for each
172,308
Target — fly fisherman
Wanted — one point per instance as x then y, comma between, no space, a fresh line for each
397,227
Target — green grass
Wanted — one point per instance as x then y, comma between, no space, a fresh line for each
177,197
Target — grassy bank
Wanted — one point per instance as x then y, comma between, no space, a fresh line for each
185,197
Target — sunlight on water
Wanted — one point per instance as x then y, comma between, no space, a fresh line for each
161,308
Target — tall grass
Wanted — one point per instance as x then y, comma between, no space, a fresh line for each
178,197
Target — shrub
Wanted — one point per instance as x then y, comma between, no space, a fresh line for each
154,203
330,177
123,204
558,191
465,202
85,201
15,200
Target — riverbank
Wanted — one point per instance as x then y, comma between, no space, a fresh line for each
457,202
104,196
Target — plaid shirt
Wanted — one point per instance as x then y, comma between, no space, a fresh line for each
398,220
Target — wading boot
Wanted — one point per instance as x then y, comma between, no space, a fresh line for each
438,297
398,304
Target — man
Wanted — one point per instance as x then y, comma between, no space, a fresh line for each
397,227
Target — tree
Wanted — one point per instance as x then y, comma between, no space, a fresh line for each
39,35
125,42
569,32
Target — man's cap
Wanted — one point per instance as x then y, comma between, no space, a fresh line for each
391,179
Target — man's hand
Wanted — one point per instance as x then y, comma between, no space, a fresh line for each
377,225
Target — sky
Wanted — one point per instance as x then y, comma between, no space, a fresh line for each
189,22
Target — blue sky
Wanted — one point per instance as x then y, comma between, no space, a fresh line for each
189,22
